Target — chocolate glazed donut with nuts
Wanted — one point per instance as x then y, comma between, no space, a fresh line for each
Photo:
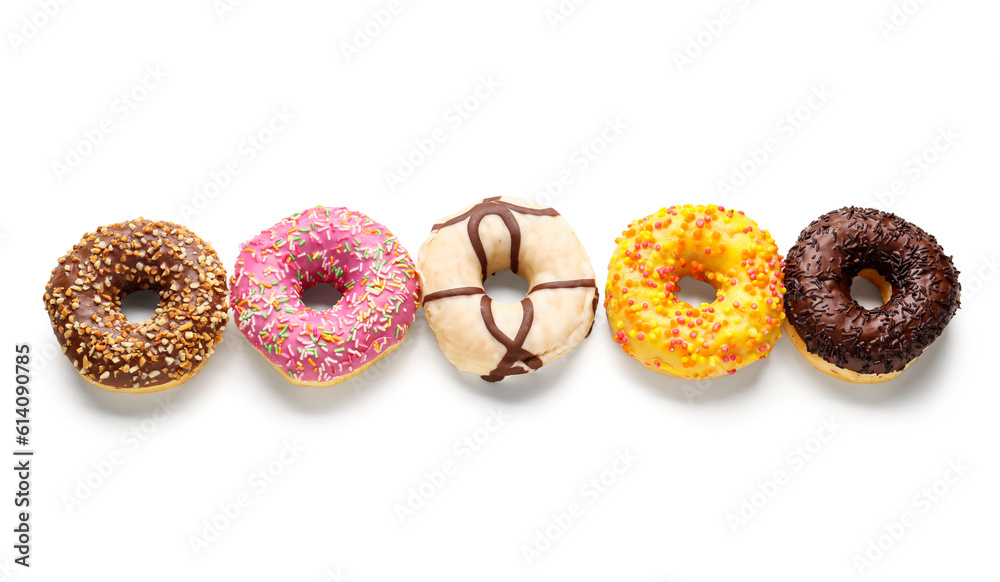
917,281
83,299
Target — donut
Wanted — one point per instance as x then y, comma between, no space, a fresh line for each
494,339
916,279
707,243
356,255
83,299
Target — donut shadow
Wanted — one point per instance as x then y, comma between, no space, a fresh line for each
511,389
691,392
322,399
213,372
522,387
391,369
141,405
913,383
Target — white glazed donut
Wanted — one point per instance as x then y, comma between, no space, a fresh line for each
492,339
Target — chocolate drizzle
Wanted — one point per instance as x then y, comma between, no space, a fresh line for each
570,285
495,207
564,284
517,360
516,354
457,292
819,271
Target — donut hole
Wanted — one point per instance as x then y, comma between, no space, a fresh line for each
506,287
139,306
321,296
870,290
694,292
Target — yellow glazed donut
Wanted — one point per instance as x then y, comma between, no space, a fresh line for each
708,243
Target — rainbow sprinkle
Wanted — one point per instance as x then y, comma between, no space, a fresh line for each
359,257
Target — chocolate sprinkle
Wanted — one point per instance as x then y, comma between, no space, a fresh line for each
821,267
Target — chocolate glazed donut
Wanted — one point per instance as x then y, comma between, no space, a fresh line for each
918,283
83,299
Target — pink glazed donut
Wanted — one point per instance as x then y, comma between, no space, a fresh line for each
346,249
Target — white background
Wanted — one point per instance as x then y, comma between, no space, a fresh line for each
700,450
